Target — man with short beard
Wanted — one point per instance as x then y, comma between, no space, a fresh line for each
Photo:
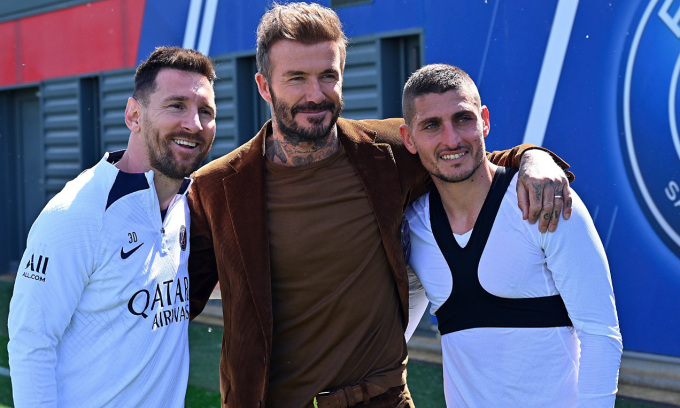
527,319
100,309
301,226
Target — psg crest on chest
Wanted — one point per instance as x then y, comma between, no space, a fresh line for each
649,113
183,237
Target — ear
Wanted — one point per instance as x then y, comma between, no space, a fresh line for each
407,138
485,119
263,87
133,112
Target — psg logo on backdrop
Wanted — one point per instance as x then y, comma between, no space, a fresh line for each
183,237
650,114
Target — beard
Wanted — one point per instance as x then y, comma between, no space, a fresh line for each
478,158
161,157
285,118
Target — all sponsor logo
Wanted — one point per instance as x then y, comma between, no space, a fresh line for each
650,110
183,237
40,267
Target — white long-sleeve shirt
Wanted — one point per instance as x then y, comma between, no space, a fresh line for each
528,367
100,310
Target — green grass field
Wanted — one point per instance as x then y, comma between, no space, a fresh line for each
424,380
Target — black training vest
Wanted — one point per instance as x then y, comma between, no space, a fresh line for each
469,304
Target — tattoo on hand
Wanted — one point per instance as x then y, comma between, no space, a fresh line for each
546,216
537,213
550,183
539,190
557,215
569,203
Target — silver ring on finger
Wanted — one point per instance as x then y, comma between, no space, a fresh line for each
558,196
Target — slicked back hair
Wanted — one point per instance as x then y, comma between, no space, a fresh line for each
435,78
302,22
182,59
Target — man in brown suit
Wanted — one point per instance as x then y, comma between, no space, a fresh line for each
301,226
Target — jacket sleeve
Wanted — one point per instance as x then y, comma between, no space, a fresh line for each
52,275
513,157
202,262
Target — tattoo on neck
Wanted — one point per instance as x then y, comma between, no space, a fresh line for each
301,160
285,152
274,150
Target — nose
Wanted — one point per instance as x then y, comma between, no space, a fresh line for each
314,92
191,122
450,136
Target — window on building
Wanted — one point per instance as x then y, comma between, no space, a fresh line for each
399,58
253,111
23,179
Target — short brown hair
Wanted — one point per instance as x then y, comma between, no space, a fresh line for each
182,59
435,78
302,22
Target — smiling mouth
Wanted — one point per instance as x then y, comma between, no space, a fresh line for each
184,143
315,112
453,156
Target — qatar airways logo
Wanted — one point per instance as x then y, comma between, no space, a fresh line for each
168,302
650,111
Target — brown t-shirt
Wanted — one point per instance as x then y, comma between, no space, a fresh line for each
335,302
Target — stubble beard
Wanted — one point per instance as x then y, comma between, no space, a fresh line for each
296,134
478,157
161,157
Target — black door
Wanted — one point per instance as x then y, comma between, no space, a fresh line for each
23,171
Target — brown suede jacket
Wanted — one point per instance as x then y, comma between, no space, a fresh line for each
229,239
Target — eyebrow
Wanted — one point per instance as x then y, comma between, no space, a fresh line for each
182,98
175,98
299,73
295,73
462,113
433,119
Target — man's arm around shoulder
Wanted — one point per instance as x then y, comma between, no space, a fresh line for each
543,192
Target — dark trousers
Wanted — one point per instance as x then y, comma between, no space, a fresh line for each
395,397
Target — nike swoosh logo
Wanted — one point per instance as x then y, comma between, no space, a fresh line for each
125,255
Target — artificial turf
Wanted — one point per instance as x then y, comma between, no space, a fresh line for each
424,380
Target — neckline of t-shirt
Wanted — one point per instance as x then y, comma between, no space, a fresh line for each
463,239
324,162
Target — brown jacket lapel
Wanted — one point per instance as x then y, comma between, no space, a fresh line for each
249,218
